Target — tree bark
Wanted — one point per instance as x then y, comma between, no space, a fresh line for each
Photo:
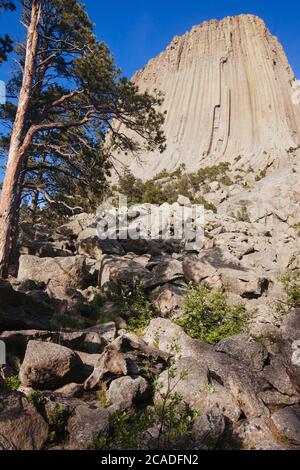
11,190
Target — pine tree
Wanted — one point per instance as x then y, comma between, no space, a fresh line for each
69,94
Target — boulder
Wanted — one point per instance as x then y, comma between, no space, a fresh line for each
183,200
92,340
69,272
71,390
116,271
171,338
45,250
167,301
276,374
48,366
255,434
86,423
21,426
73,228
242,384
166,270
197,269
287,424
208,430
245,283
89,244
129,390
192,381
64,298
245,350
290,326
19,311
189,378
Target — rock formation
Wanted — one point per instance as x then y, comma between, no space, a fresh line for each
72,315
227,92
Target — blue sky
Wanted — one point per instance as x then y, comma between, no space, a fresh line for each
138,30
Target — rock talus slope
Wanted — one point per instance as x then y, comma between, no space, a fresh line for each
228,91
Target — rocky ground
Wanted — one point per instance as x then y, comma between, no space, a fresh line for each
64,382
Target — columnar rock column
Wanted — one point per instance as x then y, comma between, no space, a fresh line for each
228,93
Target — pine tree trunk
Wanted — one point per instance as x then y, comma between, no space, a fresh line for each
11,189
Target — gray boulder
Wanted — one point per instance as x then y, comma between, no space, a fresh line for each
21,427
69,272
208,430
171,338
48,366
287,423
116,271
245,350
86,423
129,390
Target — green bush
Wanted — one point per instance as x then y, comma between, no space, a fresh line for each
133,302
12,383
68,321
57,424
36,399
208,316
173,420
242,215
154,192
91,310
291,286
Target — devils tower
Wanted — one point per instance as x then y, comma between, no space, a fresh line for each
228,91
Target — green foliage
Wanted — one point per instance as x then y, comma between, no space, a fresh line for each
77,92
57,424
36,399
102,399
154,192
209,206
242,215
91,310
171,417
291,285
12,383
208,316
68,321
134,303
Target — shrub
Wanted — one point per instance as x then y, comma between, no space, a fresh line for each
36,399
291,287
154,192
135,304
57,424
68,321
172,418
91,310
12,383
208,317
242,215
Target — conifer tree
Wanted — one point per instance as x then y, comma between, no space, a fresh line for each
69,93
